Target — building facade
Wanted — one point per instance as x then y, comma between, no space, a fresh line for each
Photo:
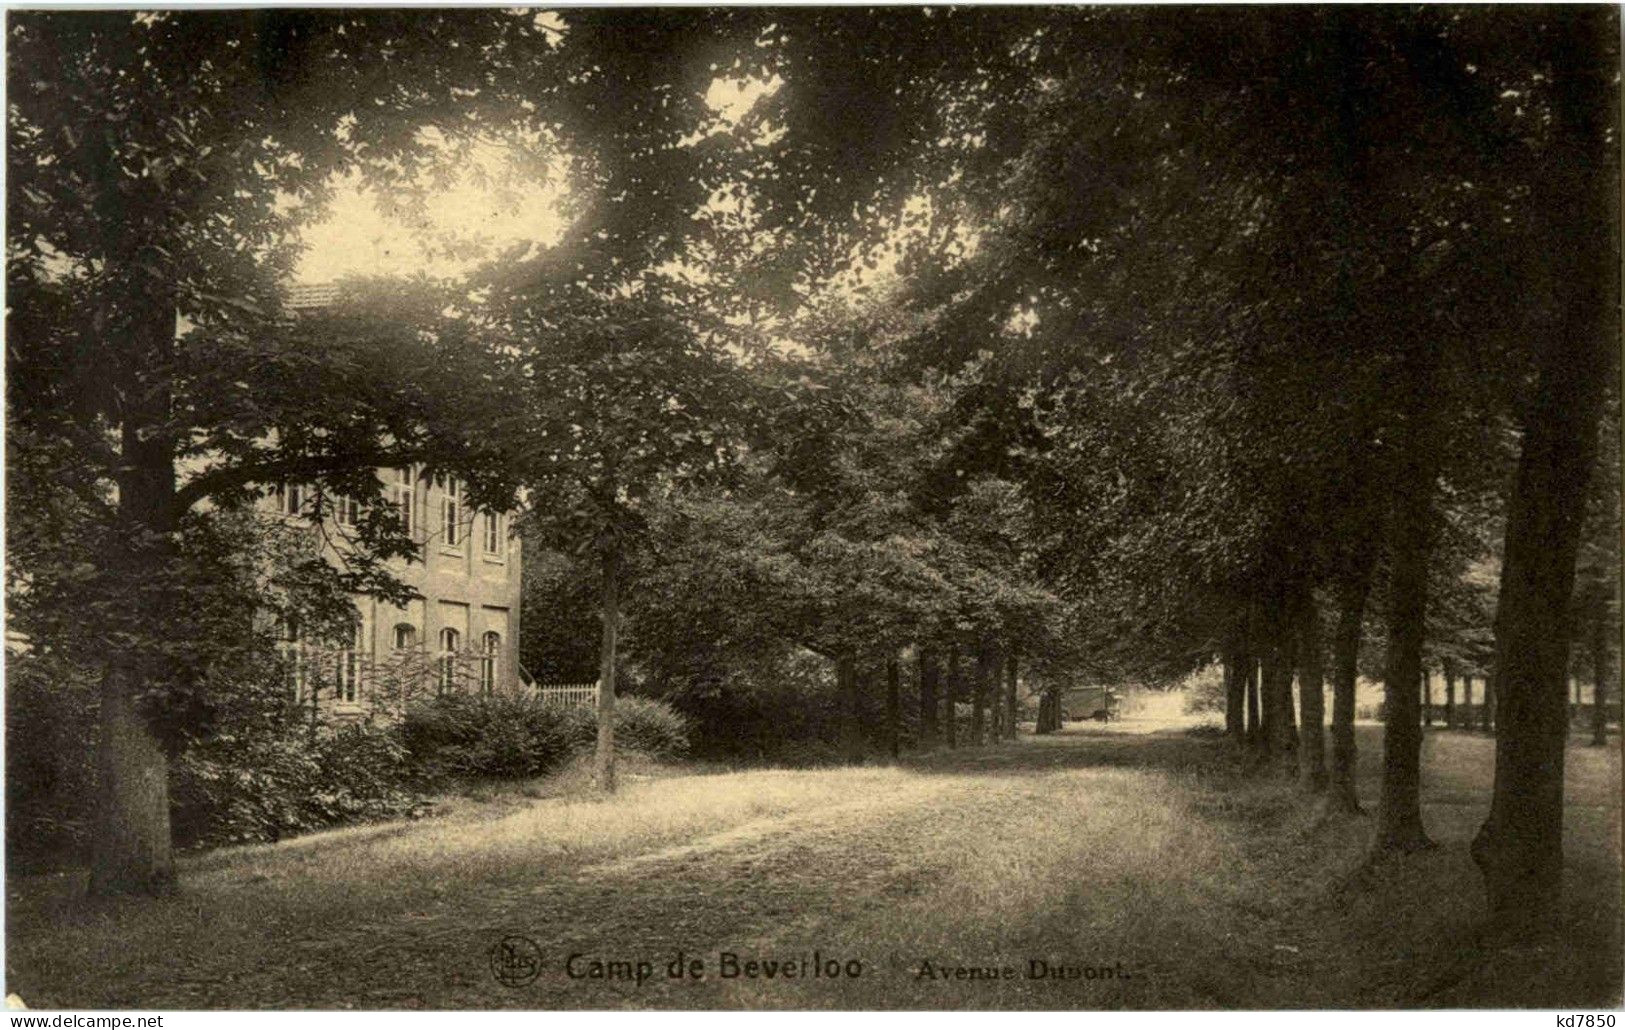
460,634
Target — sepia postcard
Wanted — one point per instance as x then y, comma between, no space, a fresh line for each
1063,508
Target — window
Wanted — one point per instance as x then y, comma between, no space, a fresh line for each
403,492
451,511
492,524
352,664
346,511
450,642
290,498
291,647
406,636
488,662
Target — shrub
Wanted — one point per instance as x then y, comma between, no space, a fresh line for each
477,736
1204,690
235,789
474,736
773,709
1377,712
650,727
50,769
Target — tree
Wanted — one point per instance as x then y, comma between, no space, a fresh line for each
159,164
628,405
1519,849
1596,603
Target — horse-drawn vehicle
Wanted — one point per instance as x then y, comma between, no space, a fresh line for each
1097,703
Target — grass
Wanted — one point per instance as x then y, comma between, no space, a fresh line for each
1135,848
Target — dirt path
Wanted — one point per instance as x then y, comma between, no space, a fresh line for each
1125,867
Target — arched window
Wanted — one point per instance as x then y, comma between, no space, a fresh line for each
492,646
406,636
450,643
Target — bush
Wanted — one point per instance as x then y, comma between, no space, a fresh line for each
259,776
1204,690
472,736
779,708
235,789
477,736
649,727
50,769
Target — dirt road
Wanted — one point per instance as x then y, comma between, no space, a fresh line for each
1129,866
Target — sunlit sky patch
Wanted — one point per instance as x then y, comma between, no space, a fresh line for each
482,212
468,222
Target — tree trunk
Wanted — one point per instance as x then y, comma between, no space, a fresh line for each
131,851
1269,717
1467,720
929,678
893,707
1235,697
131,847
995,701
611,615
1254,671
979,692
1352,595
1312,691
1049,711
1400,826
1010,696
1427,697
1449,694
1280,733
1288,707
1487,719
846,680
953,696
1279,726
1600,671
1519,849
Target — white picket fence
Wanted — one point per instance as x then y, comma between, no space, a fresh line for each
569,695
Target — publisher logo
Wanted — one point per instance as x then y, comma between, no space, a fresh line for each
515,961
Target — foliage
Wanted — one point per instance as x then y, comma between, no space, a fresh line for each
249,764
780,706
234,789
627,403
474,736
1204,690
559,614
650,726
159,167
50,770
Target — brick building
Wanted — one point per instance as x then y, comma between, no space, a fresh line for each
462,633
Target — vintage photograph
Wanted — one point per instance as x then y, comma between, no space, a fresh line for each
783,508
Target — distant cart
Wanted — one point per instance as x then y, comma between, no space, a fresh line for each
1101,704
